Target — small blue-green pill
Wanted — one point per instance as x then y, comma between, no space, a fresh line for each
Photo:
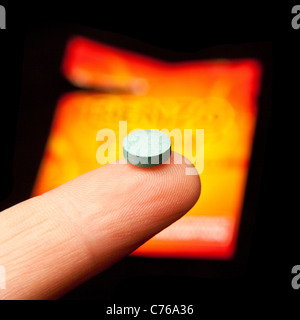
147,148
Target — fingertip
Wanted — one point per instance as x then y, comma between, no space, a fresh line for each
91,222
172,188
183,185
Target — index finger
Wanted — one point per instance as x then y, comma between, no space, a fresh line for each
51,243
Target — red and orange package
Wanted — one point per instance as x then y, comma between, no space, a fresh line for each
219,96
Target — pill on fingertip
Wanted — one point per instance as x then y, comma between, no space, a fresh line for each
147,148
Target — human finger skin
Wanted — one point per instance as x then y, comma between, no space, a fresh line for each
51,243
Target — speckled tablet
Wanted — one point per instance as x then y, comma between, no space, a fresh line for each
147,148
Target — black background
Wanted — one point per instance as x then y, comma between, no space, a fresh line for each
187,28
